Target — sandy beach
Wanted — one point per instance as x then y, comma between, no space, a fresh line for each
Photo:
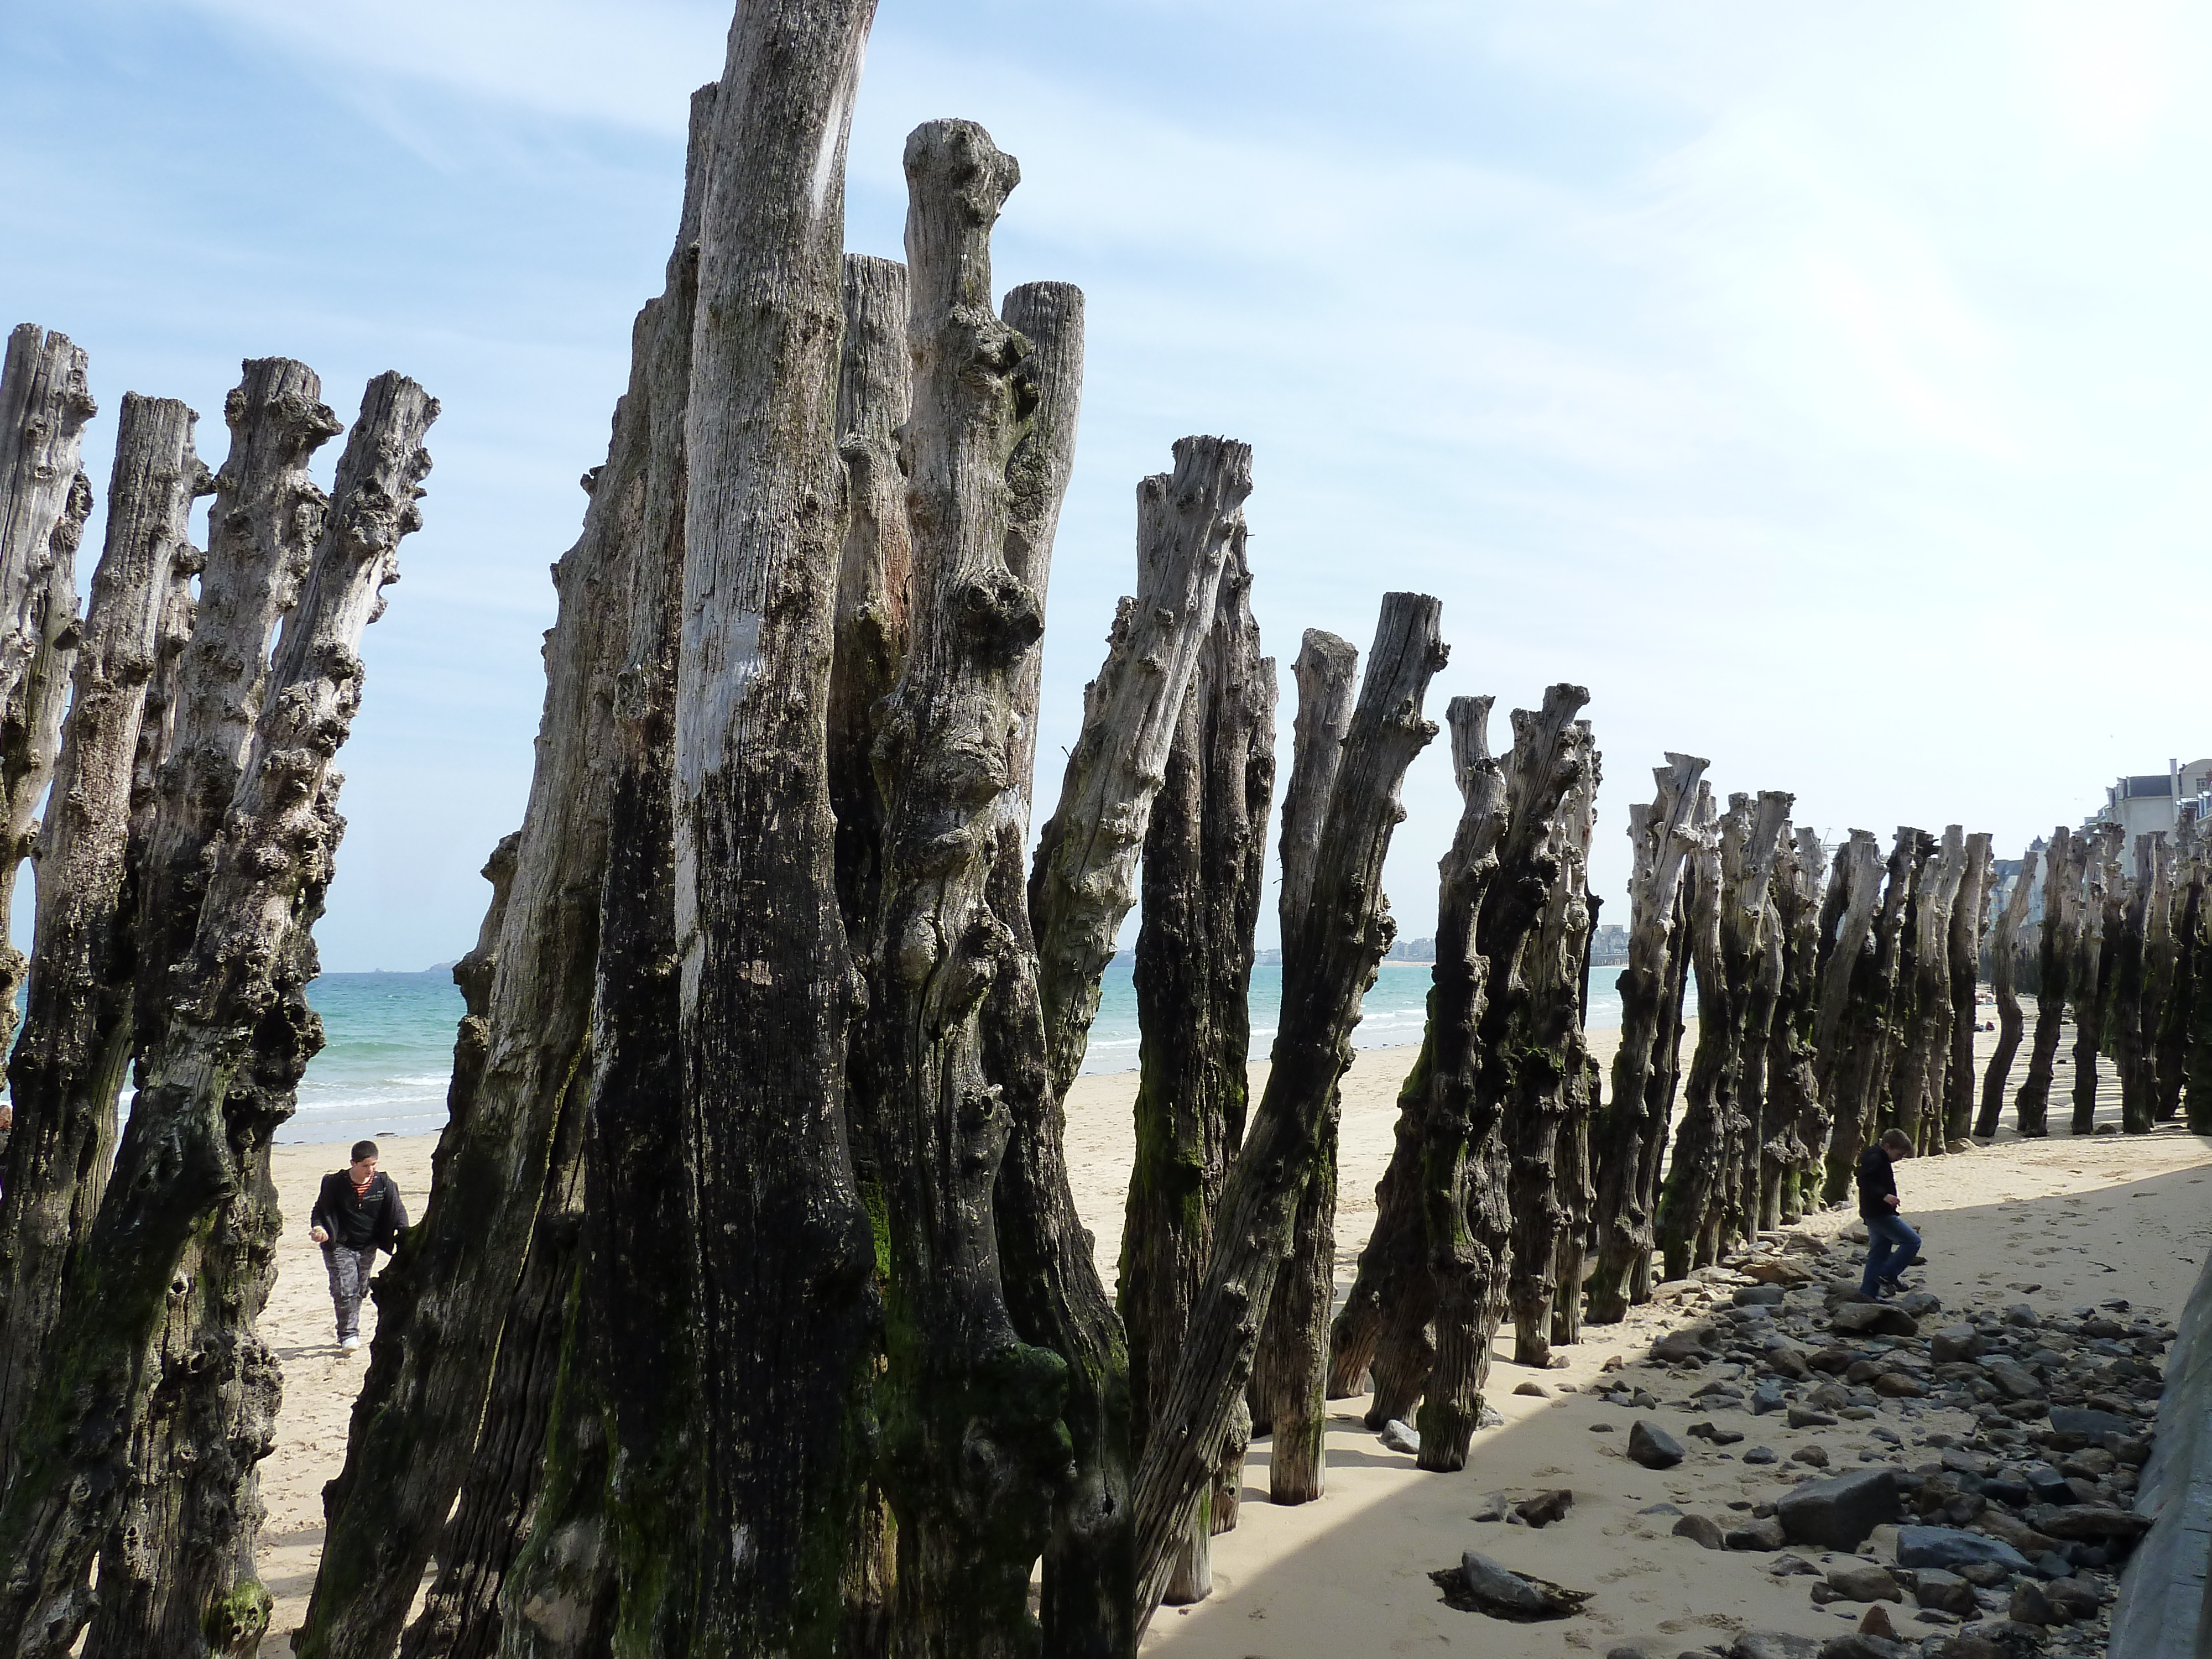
2057,1224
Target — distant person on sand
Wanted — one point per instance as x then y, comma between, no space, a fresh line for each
1890,1245
357,1213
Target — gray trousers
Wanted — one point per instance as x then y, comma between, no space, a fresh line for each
349,1274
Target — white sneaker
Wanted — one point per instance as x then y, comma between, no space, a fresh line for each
350,1345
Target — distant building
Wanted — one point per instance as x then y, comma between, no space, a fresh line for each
2152,803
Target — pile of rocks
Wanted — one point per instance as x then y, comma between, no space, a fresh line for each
1997,1531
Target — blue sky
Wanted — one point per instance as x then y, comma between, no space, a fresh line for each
1826,388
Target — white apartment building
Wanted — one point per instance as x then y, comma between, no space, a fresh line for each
2152,801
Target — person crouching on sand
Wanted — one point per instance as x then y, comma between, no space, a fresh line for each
357,1213
1890,1245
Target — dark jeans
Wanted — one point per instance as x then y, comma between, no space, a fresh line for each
349,1273
1891,1246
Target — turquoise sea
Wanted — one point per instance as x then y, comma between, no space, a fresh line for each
389,1039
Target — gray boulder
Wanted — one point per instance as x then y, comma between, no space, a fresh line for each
2083,1523
1654,1448
1954,1343
1499,1586
2089,1425
1946,1592
1701,1531
2032,1604
2014,1378
1493,1506
2076,1598
1838,1513
1401,1438
1947,1546
1863,1581
1763,1534
1873,1319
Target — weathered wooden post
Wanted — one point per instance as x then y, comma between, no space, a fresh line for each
1660,834
201,1452
2129,990
1865,1014
2185,989
2161,976
1289,1389
2063,864
1969,923
2100,922
1080,888
1922,1044
565,1527
1347,930
1727,931
1796,1128
45,403
200,1116
76,1047
1204,853
1546,1073
2004,967
1485,1115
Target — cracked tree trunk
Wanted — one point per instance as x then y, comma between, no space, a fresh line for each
199,1468
202,1119
874,600
1660,834
1793,1132
45,404
1867,980
1735,1214
1289,1391
1079,890
1845,968
1380,1337
1727,922
2196,1036
2131,1055
875,606
1429,1175
65,1073
974,1422
441,1304
540,1555
1549,1058
2004,967
1969,923
1347,929
2090,984
1924,1041
1485,1107
1204,853
2062,866
786,1314
2184,906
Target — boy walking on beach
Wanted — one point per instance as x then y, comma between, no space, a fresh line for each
356,1213
1890,1245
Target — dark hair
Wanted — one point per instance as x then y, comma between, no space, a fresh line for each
362,1149
1897,1140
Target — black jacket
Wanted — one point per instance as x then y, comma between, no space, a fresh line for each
375,1218
1877,1181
